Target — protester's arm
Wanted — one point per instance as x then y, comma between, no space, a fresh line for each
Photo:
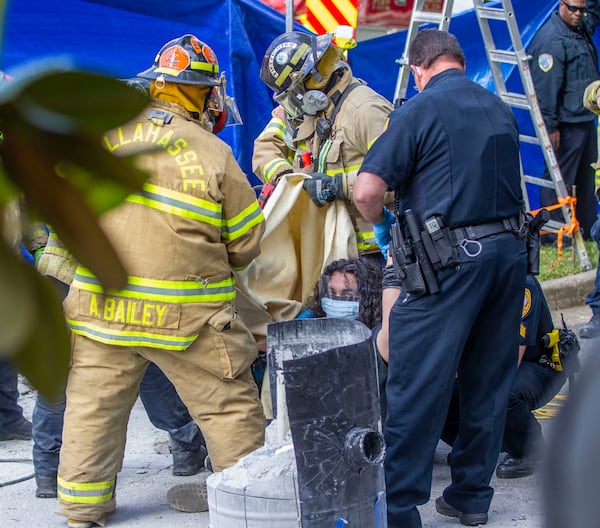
390,293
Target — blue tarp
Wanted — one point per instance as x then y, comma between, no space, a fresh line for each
121,38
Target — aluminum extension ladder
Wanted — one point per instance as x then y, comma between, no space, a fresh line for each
526,101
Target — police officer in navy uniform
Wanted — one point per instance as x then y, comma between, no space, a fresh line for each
537,381
451,154
564,62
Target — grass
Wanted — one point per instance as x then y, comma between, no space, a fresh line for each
551,268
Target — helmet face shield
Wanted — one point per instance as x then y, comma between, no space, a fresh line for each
291,100
222,110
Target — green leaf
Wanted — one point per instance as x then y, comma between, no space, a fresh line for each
8,191
17,300
44,357
32,167
66,101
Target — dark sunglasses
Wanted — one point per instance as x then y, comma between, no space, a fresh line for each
573,8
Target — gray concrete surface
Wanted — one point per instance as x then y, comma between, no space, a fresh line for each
146,475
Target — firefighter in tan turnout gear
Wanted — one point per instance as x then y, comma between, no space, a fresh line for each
195,221
325,122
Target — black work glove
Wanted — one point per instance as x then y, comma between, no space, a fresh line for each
324,189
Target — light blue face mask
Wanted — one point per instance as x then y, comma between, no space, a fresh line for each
339,308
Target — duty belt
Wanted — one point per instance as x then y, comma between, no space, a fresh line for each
476,232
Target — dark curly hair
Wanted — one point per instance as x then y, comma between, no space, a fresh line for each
368,277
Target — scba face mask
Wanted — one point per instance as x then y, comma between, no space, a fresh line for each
340,308
298,102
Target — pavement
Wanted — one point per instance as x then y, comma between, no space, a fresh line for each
146,475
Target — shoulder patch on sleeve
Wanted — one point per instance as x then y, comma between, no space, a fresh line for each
526,303
545,62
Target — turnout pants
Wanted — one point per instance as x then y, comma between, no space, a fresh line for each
213,379
165,410
471,327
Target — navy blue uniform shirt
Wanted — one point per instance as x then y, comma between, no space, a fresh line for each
453,150
536,320
564,61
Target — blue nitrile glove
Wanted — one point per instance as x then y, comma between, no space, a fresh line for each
382,231
324,189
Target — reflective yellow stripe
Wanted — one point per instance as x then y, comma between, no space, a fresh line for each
276,126
371,142
86,492
299,53
123,338
365,241
194,65
322,161
285,73
241,223
273,168
345,170
179,292
178,204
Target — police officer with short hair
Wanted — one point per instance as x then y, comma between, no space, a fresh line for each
451,154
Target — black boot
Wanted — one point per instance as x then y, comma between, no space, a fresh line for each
188,463
591,328
514,467
17,430
46,487
467,519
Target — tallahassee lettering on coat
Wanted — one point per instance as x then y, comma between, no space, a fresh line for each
191,170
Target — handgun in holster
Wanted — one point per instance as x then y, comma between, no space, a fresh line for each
410,260
531,233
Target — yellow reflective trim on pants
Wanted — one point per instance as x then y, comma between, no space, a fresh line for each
178,292
86,492
128,338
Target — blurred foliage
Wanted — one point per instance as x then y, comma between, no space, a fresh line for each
552,268
52,118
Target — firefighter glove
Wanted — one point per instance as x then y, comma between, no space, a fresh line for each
382,231
324,189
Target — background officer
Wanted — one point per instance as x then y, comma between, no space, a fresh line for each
196,219
451,154
325,122
564,62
